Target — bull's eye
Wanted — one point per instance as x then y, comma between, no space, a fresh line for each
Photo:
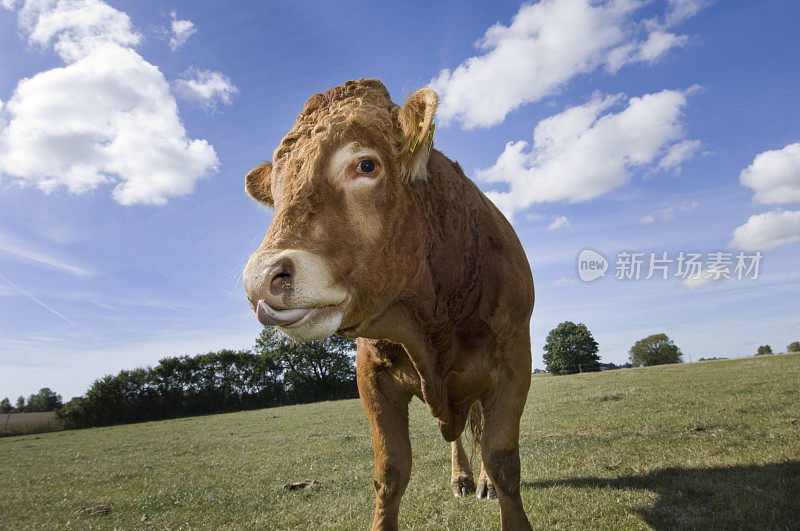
367,166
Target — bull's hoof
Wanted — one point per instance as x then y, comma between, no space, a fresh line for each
486,489
463,486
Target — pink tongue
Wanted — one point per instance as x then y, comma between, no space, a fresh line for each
271,317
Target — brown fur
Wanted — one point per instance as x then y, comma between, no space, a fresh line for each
442,302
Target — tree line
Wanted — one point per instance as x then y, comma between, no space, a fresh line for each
570,348
44,400
274,372
277,371
767,349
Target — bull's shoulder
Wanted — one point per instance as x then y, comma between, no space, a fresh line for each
476,258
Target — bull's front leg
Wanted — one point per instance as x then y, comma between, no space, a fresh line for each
461,480
485,488
385,401
500,437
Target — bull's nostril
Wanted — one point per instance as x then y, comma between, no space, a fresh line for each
281,277
279,283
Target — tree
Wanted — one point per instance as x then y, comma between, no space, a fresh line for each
44,400
20,407
5,406
657,349
793,347
764,349
228,380
570,348
317,370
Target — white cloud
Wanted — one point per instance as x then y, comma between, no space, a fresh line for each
205,87
658,43
586,151
558,223
669,212
775,175
621,56
564,281
680,10
763,232
106,116
533,216
677,154
180,31
20,250
545,45
701,280
75,28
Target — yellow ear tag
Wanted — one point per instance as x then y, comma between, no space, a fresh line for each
417,138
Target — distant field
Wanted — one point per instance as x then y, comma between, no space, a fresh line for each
25,423
710,445
19,419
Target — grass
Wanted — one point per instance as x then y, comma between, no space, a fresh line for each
711,445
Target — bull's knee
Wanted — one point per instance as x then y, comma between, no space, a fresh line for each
390,484
504,468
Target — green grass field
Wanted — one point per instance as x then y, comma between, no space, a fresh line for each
712,444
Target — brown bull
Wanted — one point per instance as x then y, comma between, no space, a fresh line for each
378,236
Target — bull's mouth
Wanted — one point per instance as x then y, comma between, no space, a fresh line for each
269,316
292,318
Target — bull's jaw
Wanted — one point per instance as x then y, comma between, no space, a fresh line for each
392,324
374,327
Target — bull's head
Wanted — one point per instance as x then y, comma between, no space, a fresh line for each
339,249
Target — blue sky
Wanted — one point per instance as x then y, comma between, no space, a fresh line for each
126,129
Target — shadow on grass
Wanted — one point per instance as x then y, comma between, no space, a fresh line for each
736,497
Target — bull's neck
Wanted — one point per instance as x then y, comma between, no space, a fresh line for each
452,209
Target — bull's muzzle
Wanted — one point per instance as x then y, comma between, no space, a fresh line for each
293,289
267,291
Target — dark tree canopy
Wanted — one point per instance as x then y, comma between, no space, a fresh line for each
793,347
275,372
764,349
228,380
44,400
317,370
657,349
570,348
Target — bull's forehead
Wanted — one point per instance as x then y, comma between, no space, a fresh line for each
329,113
357,112
308,152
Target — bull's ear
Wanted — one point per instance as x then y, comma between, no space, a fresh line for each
416,121
257,184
